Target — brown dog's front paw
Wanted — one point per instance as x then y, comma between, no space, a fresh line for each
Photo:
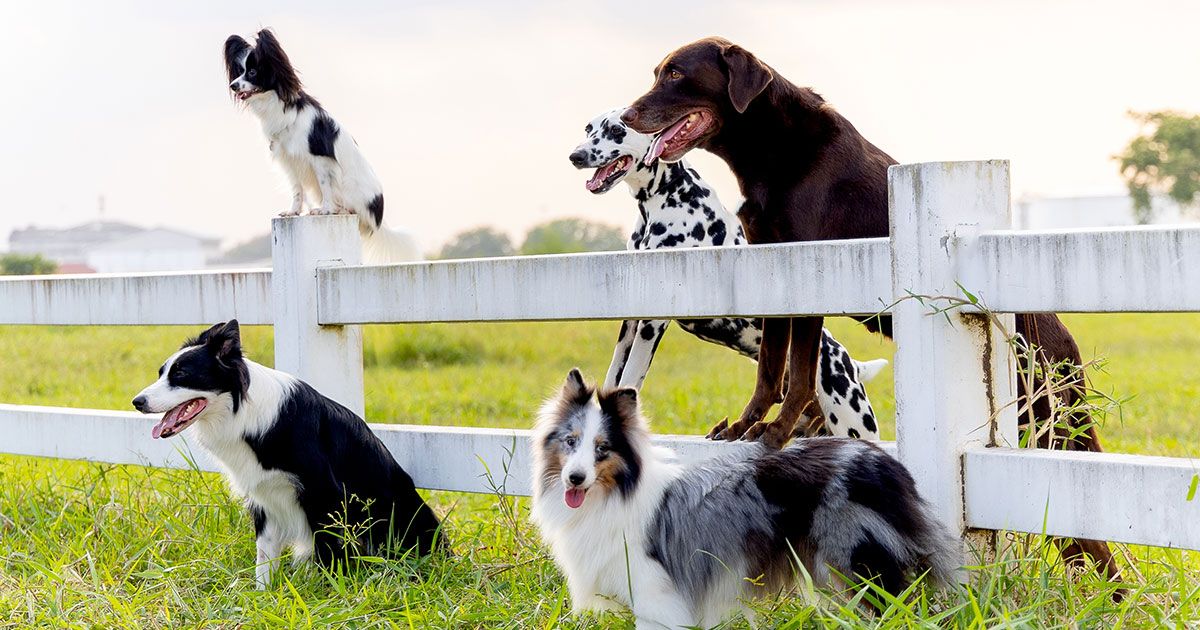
718,429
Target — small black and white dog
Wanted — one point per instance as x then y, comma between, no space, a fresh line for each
322,162
679,209
312,473
681,545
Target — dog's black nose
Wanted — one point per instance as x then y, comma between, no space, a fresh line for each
575,478
579,158
629,116
139,403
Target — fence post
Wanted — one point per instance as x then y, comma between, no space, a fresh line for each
954,372
327,357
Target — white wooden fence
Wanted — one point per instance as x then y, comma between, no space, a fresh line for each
954,379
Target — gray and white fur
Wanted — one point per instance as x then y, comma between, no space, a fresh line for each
684,545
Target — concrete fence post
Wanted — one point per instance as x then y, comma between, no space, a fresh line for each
327,357
955,381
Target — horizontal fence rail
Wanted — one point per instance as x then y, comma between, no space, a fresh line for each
1107,496
829,278
460,459
1085,271
195,298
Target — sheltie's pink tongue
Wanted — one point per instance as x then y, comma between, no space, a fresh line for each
660,142
574,497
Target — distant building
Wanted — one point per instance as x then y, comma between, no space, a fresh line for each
109,246
1047,213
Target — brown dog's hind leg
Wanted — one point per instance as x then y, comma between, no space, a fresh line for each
772,359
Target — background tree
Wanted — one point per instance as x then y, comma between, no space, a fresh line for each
480,242
25,265
566,236
1163,158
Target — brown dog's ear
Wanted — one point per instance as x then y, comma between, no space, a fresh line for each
748,76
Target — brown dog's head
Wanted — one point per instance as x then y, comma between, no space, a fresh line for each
696,89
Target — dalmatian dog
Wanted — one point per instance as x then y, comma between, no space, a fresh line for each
678,209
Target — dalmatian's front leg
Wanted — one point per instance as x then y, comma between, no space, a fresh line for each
634,352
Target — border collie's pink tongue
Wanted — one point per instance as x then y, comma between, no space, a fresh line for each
177,418
574,497
660,142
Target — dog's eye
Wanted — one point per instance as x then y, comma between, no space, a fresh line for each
250,74
571,441
601,449
675,75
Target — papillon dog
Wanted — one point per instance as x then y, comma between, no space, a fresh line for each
322,162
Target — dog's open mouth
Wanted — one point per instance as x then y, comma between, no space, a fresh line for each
241,96
672,142
574,497
609,174
178,418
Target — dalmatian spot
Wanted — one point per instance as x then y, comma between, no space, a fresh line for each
855,395
716,232
698,232
853,433
648,332
658,229
868,422
672,240
833,419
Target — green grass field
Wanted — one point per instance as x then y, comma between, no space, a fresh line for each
93,545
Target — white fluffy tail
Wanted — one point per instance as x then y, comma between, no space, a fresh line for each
386,245
868,370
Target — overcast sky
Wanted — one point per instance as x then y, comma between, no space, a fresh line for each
468,110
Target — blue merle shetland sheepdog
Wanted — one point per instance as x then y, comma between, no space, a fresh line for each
682,545
322,162
314,476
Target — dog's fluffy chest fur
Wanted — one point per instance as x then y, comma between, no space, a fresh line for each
223,435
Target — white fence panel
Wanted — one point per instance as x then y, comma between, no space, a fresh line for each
1086,271
197,298
438,457
831,278
1126,498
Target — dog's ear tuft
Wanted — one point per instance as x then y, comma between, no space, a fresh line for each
621,404
748,76
270,54
235,52
224,340
574,389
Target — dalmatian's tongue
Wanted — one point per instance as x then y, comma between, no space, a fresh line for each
660,142
601,174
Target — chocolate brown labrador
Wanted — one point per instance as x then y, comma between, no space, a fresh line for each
807,174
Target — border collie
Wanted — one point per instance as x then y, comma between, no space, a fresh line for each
322,162
676,208
313,475
681,545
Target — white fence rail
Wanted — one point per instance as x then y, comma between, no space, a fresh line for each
954,381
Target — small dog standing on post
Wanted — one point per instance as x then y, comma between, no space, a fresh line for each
322,162
680,545
679,209
313,475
